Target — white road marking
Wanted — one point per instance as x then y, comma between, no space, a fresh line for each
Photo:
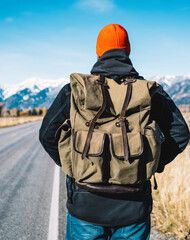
54,212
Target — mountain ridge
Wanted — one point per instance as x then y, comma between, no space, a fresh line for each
36,92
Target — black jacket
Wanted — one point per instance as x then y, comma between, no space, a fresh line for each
104,209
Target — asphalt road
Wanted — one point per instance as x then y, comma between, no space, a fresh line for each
27,185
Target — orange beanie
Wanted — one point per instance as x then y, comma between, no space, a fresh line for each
110,37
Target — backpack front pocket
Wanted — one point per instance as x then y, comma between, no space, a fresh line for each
91,169
133,170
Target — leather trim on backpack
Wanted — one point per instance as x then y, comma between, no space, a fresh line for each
112,188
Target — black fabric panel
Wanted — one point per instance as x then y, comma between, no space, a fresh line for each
108,210
169,118
56,115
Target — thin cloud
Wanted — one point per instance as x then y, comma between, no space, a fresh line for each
99,5
9,19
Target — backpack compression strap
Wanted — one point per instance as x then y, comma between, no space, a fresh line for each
123,121
93,121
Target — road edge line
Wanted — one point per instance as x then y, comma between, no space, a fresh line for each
54,211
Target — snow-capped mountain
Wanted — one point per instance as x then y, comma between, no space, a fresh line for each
36,92
31,93
178,87
34,84
168,81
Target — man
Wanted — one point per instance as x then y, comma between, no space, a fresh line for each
106,216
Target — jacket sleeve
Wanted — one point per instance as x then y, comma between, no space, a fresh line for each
55,116
170,120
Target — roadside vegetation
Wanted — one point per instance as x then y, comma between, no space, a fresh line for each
12,121
186,115
12,117
171,207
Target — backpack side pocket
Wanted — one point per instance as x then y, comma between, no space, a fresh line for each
64,146
154,138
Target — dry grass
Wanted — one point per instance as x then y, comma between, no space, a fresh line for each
186,115
172,199
12,121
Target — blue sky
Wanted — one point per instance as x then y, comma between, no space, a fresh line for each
53,38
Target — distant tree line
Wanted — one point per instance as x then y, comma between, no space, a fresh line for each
15,112
34,112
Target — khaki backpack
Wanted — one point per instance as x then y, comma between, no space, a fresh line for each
110,138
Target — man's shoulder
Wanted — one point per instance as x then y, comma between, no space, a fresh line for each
66,87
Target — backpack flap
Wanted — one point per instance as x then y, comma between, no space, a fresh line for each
135,145
86,91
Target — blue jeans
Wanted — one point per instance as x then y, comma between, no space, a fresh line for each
79,230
